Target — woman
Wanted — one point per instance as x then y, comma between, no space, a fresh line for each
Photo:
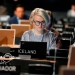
40,19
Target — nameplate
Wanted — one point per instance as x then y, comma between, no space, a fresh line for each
10,68
23,51
34,53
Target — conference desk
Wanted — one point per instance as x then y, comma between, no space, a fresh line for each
17,46
43,60
12,46
24,63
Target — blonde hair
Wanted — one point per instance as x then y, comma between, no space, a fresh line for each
41,12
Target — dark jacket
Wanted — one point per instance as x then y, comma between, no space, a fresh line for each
14,19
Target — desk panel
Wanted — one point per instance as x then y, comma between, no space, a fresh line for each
25,63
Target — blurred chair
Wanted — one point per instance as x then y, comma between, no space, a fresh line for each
7,36
66,34
24,22
67,71
69,30
20,29
71,56
67,39
64,20
4,21
71,19
66,43
31,26
58,27
60,56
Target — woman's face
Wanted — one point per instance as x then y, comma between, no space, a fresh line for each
39,23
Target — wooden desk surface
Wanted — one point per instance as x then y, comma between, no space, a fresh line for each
2,58
12,46
44,60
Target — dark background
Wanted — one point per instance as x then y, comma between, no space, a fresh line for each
59,8
53,5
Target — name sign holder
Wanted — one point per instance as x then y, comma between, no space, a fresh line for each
22,52
9,70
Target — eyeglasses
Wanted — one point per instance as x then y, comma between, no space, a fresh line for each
38,22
